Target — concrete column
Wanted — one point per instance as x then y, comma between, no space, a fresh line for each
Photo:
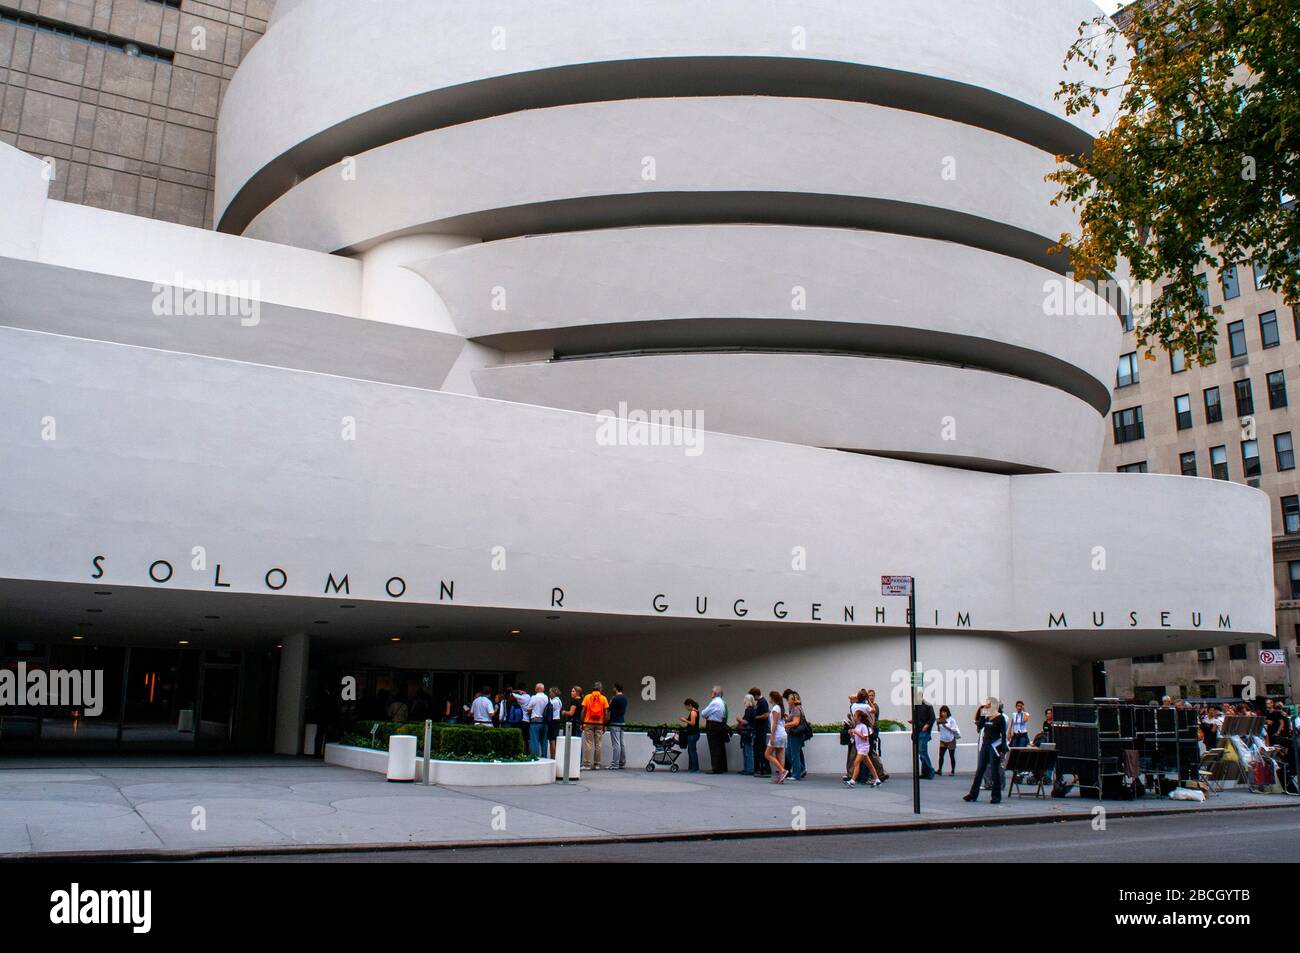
291,694
394,293
1081,677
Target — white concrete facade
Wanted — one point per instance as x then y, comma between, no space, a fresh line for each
404,385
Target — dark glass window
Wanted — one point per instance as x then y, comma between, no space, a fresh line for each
1276,389
1140,467
1213,407
1235,652
1177,362
1291,514
1231,286
1128,425
1261,274
1294,570
1237,338
1203,289
1250,458
1187,463
1268,329
1219,463
1285,449
1245,397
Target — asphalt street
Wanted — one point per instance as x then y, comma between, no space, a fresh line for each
1228,836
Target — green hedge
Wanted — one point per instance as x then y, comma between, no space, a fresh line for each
448,742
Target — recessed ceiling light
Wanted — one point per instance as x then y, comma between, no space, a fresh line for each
394,639
347,606
185,642
552,617
77,638
515,631
280,645
212,617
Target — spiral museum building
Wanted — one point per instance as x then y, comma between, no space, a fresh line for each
581,341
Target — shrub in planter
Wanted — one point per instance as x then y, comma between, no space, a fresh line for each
448,742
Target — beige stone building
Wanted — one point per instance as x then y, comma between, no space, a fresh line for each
122,96
1236,419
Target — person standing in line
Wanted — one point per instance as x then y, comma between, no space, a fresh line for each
1049,720
715,730
595,710
537,710
948,735
691,734
573,712
761,768
1211,724
557,717
796,732
617,718
857,703
745,725
862,745
922,724
480,709
993,742
1020,726
775,753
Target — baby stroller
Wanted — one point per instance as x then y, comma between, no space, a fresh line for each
668,748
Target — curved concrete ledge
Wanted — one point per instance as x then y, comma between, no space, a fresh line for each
307,95
699,151
460,774
757,286
896,408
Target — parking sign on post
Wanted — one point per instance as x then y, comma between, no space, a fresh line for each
906,586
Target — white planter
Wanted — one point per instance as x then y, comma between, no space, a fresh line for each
401,758
450,773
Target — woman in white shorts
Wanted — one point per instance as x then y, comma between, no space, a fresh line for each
775,753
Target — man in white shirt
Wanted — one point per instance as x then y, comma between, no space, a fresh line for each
714,717
481,709
536,710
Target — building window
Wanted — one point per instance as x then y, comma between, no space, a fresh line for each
1141,660
1261,274
1237,653
1276,390
1245,397
1213,408
1187,463
1293,570
1128,425
1128,370
1205,655
1219,463
1207,689
1126,320
1250,458
1271,644
1285,450
1237,338
1203,289
1140,467
1231,286
1183,411
1291,515
1268,329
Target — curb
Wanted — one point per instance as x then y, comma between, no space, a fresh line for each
292,850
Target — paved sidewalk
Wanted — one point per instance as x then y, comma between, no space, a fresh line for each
117,805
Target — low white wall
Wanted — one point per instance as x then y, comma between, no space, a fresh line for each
466,774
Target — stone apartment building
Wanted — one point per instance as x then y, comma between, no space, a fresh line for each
1236,419
122,96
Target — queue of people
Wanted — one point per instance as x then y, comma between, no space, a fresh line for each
540,717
